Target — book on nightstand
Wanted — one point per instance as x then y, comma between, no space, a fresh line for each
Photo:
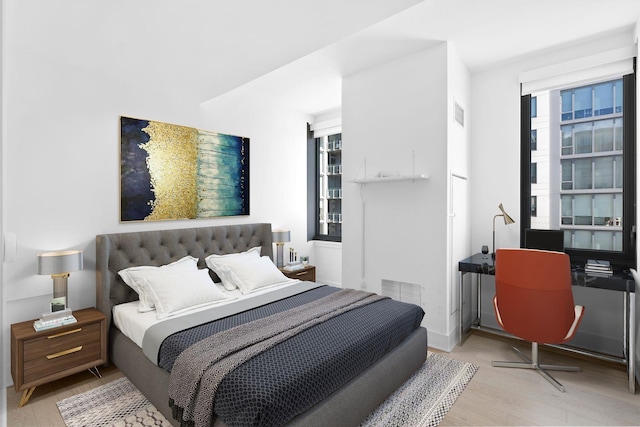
53,320
293,267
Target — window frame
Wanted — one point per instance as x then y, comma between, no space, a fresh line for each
626,257
313,191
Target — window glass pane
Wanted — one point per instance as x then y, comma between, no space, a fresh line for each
603,170
582,137
583,176
534,106
567,104
582,239
603,240
534,140
617,208
582,209
567,174
618,171
617,128
603,98
567,205
583,167
329,201
617,241
603,209
567,140
534,173
583,105
618,88
534,206
603,135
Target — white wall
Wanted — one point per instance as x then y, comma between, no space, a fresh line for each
3,400
61,164
459,225
393,113
327,257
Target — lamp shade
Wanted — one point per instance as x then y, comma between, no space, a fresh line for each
281,236
59,262
507,219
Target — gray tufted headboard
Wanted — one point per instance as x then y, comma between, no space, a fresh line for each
121,250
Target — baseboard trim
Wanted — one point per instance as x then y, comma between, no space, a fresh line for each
441,341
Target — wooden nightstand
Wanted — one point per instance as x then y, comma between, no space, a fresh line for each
40,357
307,273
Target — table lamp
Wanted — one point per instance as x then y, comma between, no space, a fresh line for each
507,220
59,264
279,238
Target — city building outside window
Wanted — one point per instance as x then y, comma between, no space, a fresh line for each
329,212
324,178
577,172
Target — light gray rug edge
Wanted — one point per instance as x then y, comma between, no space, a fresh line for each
117,403
426,397
423,400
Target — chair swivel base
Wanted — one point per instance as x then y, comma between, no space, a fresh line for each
533,364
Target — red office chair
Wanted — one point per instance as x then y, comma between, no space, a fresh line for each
534,302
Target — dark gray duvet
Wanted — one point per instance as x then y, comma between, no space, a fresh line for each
288,379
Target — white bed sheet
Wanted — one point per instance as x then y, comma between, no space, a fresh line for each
134,324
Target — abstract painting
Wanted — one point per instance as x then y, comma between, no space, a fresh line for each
170,172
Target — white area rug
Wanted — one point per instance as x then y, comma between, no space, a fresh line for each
117,403
426,397
423,400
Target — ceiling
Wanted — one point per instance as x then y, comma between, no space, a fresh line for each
484,33
290,51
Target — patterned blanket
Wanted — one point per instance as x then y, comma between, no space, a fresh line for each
199,370
274,386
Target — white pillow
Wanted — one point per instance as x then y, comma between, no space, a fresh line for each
252,274
216,262
133,275
178,292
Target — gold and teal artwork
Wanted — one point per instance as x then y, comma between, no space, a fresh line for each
170,172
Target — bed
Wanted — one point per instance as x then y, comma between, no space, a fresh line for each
346,406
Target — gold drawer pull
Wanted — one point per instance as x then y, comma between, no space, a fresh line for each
64,353
301,274
64,333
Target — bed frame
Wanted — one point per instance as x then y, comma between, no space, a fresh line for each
346,407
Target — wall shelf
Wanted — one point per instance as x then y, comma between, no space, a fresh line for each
391,178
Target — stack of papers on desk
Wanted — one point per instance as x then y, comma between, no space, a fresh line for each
598,268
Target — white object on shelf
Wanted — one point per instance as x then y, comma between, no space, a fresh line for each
391,178
293,266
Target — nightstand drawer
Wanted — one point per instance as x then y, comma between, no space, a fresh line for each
307,273
302,275
61,350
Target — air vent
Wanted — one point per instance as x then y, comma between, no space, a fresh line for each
402,291
459,114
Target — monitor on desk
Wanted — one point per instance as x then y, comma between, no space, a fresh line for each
549,240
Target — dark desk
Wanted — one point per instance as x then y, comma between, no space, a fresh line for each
621,281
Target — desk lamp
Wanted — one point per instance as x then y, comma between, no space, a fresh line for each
59,264
507,220
279,237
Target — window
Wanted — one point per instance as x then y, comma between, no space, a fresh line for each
534,206
589,168
534,173
325,184
534,139
534,106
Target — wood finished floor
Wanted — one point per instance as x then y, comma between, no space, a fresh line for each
495,396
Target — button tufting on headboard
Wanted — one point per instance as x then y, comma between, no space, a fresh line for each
115,252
